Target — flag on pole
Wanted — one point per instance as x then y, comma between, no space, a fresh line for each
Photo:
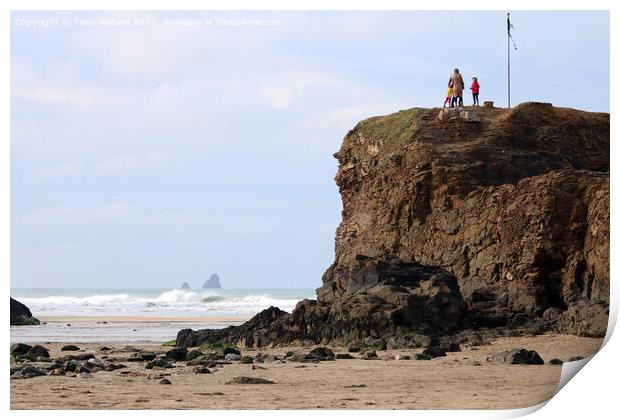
508,41
510,26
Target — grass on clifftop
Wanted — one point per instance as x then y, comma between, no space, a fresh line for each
392,131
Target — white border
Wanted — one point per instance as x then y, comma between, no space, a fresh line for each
592,395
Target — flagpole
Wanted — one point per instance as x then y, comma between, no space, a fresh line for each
508,47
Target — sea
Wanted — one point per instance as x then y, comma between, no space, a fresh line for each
203,307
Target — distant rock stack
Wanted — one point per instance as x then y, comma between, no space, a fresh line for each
213,282
21,315
185,286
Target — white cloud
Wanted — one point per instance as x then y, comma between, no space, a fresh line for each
181,218
58,96
118,165
117,213
345,117
130,164
114,212
278,97
55,215
62,170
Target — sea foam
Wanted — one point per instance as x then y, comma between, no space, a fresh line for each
169,302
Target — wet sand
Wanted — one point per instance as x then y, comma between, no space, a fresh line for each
117,329
142,319
461,380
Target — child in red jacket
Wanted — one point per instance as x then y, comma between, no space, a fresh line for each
475,90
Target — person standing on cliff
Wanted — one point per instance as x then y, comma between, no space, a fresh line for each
449,93
475,90
458,85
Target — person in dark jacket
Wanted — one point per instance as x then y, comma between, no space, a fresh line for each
458,85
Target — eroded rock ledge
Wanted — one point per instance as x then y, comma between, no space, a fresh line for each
491,219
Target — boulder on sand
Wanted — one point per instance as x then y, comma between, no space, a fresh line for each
19,349
28,371
517,357
321,354
246,380
21,315
159,364
38,351
177,353
70,347
434,352
232,357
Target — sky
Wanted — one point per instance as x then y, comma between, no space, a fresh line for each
150,149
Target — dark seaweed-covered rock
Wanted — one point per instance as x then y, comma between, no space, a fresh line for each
21,315
321,354
193,354
142,356
344,356
201,370
82,356
434,352
177,353
159,364
82,369
370,355
70,347
19,349
114,366
231,350
249,334
28,371
246,380
517,357
71,366
38,351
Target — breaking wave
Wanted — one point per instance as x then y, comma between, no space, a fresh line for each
171,302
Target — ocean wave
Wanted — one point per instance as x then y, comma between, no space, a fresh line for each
171,302
214,298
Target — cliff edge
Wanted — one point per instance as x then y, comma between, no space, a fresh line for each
460,219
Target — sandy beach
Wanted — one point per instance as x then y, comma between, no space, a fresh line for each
461,380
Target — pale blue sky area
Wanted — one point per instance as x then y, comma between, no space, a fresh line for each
146,156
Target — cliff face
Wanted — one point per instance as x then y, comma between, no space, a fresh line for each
462,219
514,203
